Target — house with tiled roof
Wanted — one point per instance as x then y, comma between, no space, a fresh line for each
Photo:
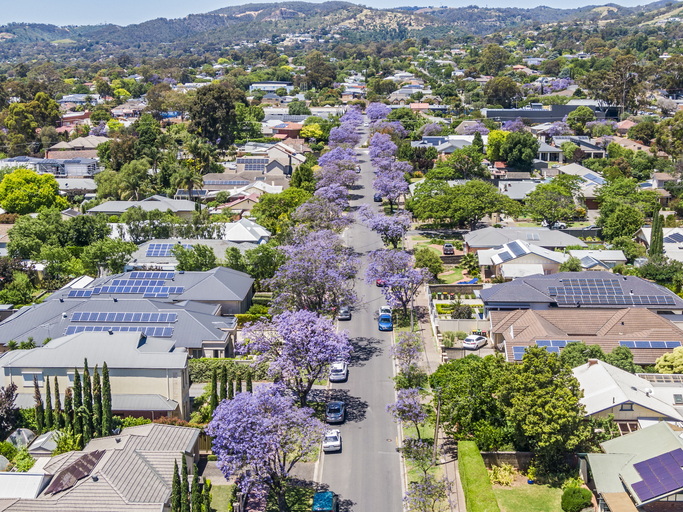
519,259
647,334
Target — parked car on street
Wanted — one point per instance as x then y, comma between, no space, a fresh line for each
339,372
344,313
385,323
332,442
325,502
448,249
335,412
381,282
385,310
358,170
557,225
474,342
377,198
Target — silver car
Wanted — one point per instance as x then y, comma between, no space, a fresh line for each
339,372
335,412
344,313
332,442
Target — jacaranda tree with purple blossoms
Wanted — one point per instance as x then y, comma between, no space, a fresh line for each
391,228
428,495
513,125
316,276
377,111
335,193
299,346
408,408
391,183
344,135
393,128
319,214
337,167
353,116
259,437
477,127
397,269
381,146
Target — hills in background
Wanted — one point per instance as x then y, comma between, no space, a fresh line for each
257,21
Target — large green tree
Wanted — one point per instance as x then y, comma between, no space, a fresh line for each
24,191
493,59
501,90
213,114
578,119
520,149
198,257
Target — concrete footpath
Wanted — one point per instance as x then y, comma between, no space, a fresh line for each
431,361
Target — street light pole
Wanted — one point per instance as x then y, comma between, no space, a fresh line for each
436,426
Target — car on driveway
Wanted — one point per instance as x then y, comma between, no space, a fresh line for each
339,372
474,342
332,441
335,412
377,198
384,323
448,249
344,313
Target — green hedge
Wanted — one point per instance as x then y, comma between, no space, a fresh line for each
202,369
261,300
245,318
474,476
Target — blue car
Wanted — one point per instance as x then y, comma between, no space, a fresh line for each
385,323
377,198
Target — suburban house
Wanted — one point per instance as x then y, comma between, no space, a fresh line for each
130,471
646,333
81,99
148,375
585,143
519,259
80,147
129,109
639,469
632,400
4,238
180,207
72,167
70,120
271,86
491,238
605,258
673,241
287,130
193,308
579,290
538,113
156,254
591,180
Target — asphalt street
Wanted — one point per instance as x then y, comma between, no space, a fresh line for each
367,473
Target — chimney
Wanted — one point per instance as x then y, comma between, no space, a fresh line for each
592,362
512,332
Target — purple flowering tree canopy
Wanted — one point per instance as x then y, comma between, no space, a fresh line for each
353,116
559,128
391,185
477,127
335,193
381,146
397,270
299,347
344,135
259,437
427,494
393,128
337,167
390,227
377,111
406,350
515,125
316,276
100,130
319,214
432,129
408,408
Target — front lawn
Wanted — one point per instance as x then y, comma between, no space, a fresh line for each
452,275
299,499
528,498
220,497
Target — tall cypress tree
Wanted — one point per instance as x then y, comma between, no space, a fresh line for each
250,386
231,389
207,496
224,383
87,404
175,489
196,491
184,488
40,412
96,404
214,392
78,403
238,384
106,402
58,418
48,405
68,410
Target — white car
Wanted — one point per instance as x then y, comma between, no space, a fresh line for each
366,124
332,442
474,342
339,372
384,310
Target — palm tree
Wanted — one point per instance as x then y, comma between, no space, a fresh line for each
202,154
188,179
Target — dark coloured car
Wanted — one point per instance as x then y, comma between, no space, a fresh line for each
378,198
335,412
448,249
384,323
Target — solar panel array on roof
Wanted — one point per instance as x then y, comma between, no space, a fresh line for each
650,344
594,178
660,475
516,249
554,343
226,182
505,256
77,470
139,289
151,275
518,353
162,250
144,318
79,294
602,292
137,282
159,332
673,238
261,161
255,167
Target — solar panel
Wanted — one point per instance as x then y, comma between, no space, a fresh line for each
660,475
77,470
543,343
159,332
658,344
642,344
676,237
554,350
79,294
518,353
162,250
516,249
85,316
673,344
505,256
559,343
629,344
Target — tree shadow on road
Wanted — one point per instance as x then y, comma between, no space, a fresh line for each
345,505
356,408
364,349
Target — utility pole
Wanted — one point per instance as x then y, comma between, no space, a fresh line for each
436,426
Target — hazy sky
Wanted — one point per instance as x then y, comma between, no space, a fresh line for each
125,12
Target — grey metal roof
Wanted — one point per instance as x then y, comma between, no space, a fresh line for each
495,237
118,349
151,203
123,402
534,289
139,258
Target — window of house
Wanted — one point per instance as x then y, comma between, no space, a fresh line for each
678,399
626,407
28,378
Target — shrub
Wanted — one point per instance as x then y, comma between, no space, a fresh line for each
449,338
246,318
258,309
502,475
201,369
23,460
476,485
576,499
261,300
8,450
461,335
571,483
128,421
